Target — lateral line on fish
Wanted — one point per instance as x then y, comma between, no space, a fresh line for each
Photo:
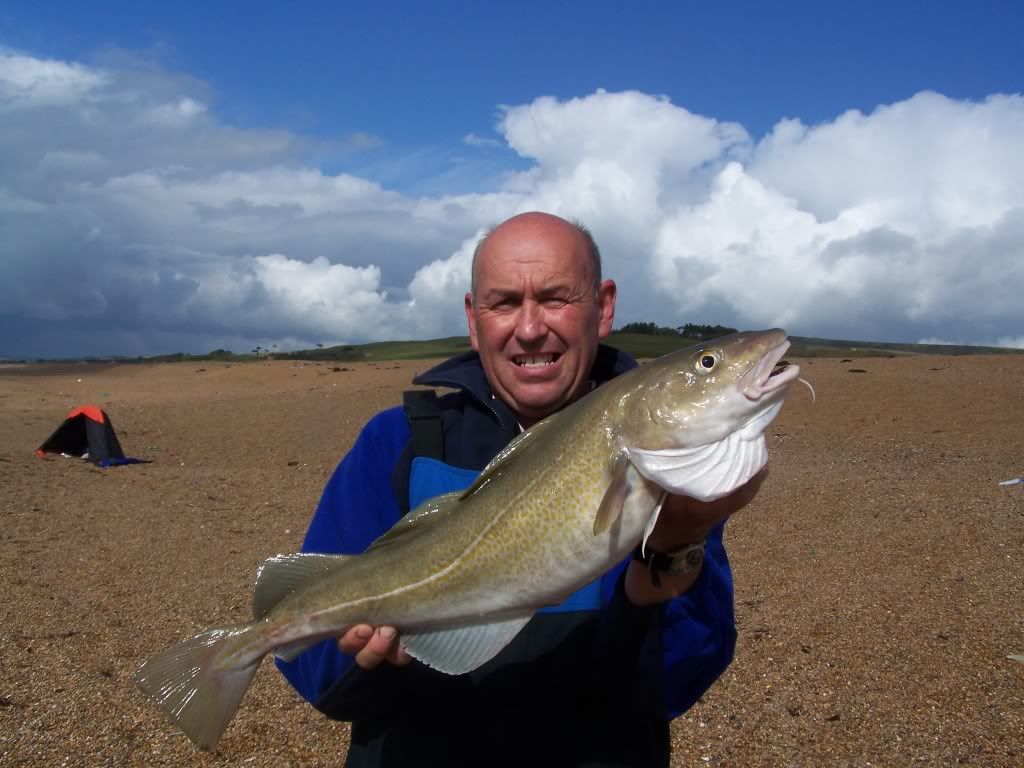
434,576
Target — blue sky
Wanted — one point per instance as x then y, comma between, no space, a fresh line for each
422,75
385,94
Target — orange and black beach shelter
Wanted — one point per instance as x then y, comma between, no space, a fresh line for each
86,432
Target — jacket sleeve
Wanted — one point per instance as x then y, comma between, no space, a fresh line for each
698,631
666,656
357,506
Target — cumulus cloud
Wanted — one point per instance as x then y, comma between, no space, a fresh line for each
137,221
30,83
889,225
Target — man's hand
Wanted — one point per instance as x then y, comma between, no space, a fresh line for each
682,521
372,646
686,521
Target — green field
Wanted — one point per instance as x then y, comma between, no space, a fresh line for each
638,345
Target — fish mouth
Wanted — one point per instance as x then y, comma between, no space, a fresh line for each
771,374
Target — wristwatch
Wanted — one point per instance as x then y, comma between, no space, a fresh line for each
686,559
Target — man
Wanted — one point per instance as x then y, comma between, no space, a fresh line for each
594,681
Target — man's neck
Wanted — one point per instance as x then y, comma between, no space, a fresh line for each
525,422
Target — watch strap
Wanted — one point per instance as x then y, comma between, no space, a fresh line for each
678,562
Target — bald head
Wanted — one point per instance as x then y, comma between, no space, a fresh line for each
537,224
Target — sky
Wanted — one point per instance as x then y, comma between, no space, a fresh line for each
188,177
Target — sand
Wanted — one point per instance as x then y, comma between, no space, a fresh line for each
878,573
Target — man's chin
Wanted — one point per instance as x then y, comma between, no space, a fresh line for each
539,402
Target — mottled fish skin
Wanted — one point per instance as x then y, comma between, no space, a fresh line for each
524,535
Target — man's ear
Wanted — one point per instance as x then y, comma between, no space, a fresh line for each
471,321
606,306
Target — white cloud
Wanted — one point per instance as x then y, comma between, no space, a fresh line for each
438,289
136,221
312,299
629,129
480,141
928,160
32,83
176,113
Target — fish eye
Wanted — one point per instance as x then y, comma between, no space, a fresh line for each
708,361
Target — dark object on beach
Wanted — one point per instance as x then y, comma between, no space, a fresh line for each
856,370
88,433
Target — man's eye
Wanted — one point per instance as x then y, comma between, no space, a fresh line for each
555,301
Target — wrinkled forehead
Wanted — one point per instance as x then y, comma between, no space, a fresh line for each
520,279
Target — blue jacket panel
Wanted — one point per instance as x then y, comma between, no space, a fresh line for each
355,484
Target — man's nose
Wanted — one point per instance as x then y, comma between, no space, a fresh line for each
530,325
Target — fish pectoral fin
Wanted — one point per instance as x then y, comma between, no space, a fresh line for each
614,497
653,521
456,650
281,575
430,511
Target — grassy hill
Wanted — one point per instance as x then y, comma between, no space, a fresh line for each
637,345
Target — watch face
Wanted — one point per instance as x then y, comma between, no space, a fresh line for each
688,560
694,557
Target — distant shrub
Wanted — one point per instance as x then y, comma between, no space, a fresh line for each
347,352
691,330
648,329
705,331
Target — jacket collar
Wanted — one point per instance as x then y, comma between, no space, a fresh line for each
466,372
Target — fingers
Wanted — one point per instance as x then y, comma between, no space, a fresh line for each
399,657
684,519
372,646
353,641
713,512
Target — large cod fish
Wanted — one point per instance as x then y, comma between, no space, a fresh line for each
463,573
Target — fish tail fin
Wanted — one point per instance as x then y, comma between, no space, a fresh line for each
199,682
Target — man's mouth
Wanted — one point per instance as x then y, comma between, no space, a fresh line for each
535,360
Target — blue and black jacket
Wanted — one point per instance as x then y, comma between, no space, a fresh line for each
592,682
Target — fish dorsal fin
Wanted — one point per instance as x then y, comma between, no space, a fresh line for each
508,455
614,497
457,650
426,514
705,472
281,575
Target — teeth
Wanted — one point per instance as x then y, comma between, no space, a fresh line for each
533,361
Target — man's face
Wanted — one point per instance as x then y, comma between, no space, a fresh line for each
536,320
